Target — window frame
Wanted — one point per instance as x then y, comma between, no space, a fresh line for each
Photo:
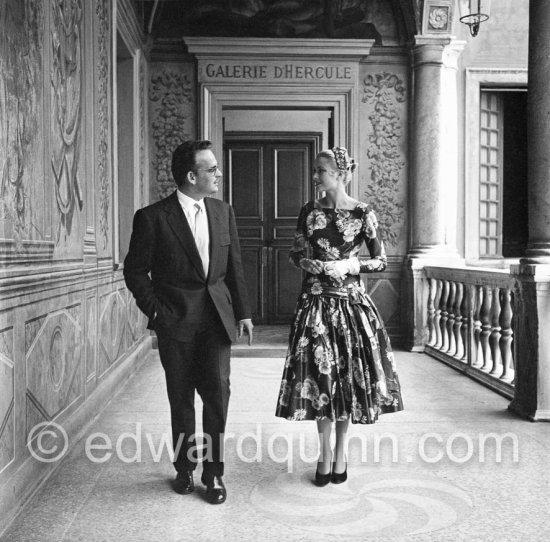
478,79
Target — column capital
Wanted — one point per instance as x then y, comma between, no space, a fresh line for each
436,50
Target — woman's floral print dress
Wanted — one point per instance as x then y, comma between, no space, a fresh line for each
339,362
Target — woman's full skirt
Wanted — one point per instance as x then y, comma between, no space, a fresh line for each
339,362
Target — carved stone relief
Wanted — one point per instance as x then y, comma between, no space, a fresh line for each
171,97
66,97
7,389
20,100
53,359
383,92
112,324
103,78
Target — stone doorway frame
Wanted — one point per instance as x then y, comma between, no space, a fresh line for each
340,97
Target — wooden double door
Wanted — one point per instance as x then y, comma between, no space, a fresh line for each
267,179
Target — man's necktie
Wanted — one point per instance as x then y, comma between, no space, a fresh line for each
201,236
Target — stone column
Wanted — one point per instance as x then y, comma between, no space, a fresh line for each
538,130
434,176
434,145
531,332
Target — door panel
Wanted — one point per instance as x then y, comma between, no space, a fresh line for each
246,194
267,182
290,186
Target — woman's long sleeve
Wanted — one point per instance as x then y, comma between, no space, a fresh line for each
300,247
378,260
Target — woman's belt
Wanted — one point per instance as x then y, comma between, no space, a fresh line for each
353,292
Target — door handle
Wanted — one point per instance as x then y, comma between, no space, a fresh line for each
264,256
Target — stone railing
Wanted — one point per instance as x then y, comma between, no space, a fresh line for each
470,322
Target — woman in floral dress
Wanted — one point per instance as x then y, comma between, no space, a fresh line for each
339,364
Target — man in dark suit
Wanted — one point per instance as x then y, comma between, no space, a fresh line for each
184,270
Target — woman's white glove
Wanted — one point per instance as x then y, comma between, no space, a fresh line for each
340,268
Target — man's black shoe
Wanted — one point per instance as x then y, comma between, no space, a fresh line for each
215,489
183,483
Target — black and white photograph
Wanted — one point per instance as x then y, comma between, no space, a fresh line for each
274,270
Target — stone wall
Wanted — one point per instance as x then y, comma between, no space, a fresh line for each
69,330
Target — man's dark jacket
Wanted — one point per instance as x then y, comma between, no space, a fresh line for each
164,272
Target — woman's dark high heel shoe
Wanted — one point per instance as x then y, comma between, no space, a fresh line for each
339,477
322,479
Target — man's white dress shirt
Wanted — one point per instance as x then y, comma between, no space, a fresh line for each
195,212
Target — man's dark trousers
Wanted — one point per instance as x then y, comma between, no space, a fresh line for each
200,364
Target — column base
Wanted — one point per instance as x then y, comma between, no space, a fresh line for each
436,255
537,415
532,340
538,252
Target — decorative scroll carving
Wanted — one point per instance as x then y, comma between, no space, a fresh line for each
103,81
20,62
384,91
66,82
170,91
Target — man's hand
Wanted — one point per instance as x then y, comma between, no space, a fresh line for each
247,326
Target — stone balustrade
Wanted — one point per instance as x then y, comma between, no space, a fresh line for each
470,319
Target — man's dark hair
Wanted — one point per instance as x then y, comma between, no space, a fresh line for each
183,159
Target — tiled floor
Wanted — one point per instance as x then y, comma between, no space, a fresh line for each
411,477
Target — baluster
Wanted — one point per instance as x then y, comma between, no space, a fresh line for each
506,335
467,329
485,317
477,354
451,346
494,338
459,344
443,321
431,311
437,315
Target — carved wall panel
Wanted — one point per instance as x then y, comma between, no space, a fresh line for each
54,364
143,177
91,334
385,291
172,113
7,392
385,124
137,322
65,137
112,329
23,216
103,44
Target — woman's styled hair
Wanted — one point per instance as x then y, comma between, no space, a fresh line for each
342,160
183,159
